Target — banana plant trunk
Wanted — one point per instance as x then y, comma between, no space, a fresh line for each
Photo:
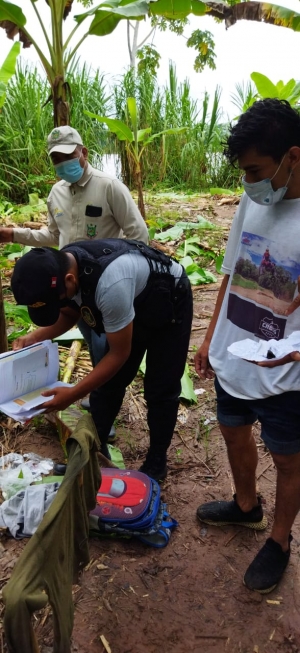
3,334
139,186
61,106
60,89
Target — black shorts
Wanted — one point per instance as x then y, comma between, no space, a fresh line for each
279,416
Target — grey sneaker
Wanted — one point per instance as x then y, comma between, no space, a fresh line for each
222,513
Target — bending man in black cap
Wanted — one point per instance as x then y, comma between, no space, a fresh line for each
142,300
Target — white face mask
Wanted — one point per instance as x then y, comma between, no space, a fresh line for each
262,192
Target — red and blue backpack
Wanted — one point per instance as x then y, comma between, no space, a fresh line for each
129,505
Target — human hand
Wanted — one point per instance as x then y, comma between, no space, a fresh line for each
63,397
289,358
6,235
295,303
24,341
201,361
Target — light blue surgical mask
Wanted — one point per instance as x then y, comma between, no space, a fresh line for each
262,192
70,170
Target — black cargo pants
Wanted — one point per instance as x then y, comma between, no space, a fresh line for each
165,337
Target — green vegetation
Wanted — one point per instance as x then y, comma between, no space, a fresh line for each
135,140
276,279
169,147
237,280
190,157
7,70
57,53
263,87
26,121
183,157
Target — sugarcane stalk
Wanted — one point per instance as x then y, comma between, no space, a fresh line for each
3,333
71,360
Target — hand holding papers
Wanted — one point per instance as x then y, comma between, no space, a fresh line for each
266,350
24,375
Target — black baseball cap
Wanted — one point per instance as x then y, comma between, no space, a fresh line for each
37,282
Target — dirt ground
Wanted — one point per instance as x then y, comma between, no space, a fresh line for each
263,297
188,597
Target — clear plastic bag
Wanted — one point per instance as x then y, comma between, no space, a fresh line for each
17,471
38,465
11,460
12,480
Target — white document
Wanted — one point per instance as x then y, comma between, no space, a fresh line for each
24,375
263,350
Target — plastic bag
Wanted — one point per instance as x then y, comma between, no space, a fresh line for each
17,471
11,460
12,480
38,465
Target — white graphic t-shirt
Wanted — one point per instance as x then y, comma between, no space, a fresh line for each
263,261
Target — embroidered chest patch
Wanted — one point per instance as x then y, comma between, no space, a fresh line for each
91,230
88,316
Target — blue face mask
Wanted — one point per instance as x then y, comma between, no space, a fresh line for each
262,192
70,170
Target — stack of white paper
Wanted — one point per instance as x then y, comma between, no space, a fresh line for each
24,375
262,350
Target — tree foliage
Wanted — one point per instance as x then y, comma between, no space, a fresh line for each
136,140
274,278
260,12
7,70
149,59
266,88
204,45
59,52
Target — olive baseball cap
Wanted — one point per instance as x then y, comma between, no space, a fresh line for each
37,282
63,139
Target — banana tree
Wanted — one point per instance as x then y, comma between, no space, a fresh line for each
136,140
265,88
229,11
6,72
261,12
246,94
58,52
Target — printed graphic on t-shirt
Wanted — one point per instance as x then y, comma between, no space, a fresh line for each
262,287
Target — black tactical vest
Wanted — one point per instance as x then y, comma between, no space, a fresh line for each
154,306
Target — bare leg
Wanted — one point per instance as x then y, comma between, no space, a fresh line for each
242,454
287,497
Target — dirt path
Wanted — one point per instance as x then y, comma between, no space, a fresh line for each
263,298
188,597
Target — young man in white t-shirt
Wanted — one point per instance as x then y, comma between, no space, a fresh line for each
253,302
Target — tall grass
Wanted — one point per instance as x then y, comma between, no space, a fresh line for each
24,125
27,119
90,91
192,159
